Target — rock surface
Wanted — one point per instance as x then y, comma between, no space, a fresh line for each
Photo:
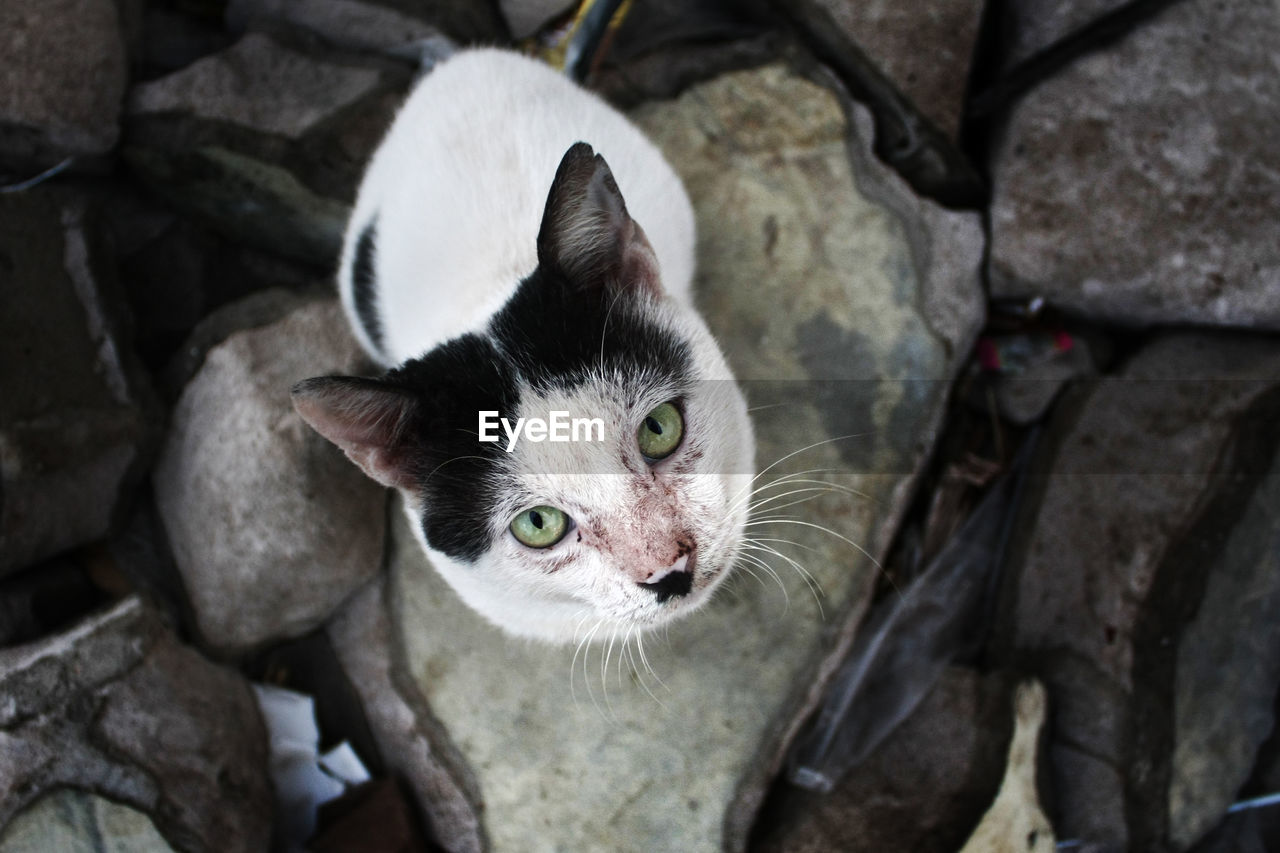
351,24
1033,25
926,50
1117,181
74,423
64,79
575,753
271,526
69,821
117,707
921,790
1139,513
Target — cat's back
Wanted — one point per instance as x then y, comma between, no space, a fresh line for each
446,221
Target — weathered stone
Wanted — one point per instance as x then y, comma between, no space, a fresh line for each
71,821
1033,25
64,79
1139,184
925,49
1142,489
117,707
526,17
1024,396
258,84
412,744
74,428
252,201
1228,669
350,24
922,789
270,525
568,753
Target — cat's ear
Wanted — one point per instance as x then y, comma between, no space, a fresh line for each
368,419
586,231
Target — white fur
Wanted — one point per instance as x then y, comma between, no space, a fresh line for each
458,189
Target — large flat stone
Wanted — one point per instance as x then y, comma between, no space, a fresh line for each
69,821
1150,506
1139,184
843,302
271,527
75,424
117,707
64,79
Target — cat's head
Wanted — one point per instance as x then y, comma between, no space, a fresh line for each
637,514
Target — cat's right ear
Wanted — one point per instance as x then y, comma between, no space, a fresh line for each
586,232
368,419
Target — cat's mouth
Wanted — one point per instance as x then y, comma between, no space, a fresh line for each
676,582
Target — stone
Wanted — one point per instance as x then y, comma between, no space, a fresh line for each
271,527
351,24
920,790
526,17
1228,669
77,424
259,84
926,50
118,708
64,80
1146,475
251,201
1034,25
411,744
576,752
71,821
1163,138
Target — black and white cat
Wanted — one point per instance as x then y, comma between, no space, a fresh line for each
491,281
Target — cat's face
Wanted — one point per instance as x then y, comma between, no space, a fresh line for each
623,526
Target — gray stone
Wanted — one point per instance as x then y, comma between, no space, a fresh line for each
1138,185
1228,669
271,527
252,201
117,707
921,790
924,48
259,84
64,79
1124,540
351,24
1023,397
1033,25
576,752
526,17
70,821
74,422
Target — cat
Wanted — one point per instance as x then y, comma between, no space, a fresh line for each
493,266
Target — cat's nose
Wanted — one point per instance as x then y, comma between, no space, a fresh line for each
674,581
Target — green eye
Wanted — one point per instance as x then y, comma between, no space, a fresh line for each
660,432
540,527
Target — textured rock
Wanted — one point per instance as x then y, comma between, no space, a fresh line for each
74,427
925,49
64,78
574,753
1148,473
525,17
1139,184
1033,25
1228,669
921,790
270,526
118,708
351,24
70,821
259,84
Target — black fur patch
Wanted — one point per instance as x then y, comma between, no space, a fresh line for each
364,283
556,333
549,335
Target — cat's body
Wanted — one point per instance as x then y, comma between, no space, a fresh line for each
493,281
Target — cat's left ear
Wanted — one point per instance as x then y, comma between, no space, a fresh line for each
586,231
